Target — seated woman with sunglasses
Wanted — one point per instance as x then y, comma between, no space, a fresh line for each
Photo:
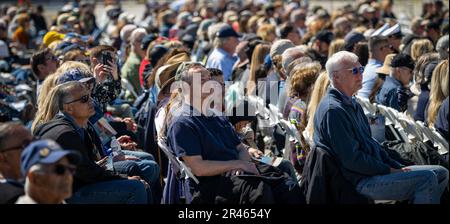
71,129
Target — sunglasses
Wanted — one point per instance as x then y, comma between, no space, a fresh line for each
61,169
355,70
83,99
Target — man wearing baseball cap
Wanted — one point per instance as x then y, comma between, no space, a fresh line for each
395,91
49,173
223,56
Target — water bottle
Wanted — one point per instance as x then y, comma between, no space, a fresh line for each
109,162
115,147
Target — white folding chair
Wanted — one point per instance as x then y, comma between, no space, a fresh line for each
181,167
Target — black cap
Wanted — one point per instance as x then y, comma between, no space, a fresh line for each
157,52
325,36
402,60
351,39
227,31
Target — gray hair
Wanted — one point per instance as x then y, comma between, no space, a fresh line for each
339,21
213,29
136,33
442,47
290,54
335,62
219,42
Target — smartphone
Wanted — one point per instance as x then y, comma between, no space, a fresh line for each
106,57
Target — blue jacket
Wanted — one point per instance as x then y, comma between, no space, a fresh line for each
341,128
393,94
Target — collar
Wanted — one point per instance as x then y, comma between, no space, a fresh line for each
222,51
374,61
347,100
393,80
71,120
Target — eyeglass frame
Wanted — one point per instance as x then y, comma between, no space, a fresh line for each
354,70
80,99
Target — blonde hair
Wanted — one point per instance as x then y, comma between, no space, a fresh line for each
252,22
439,90
320,87
336,46
264,31
421,47
260,52
52,79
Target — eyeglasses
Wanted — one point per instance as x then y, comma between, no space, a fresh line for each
24,144
83,99
355,70
61,169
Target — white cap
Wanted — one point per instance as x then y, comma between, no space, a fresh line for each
391,31
380,30
365,8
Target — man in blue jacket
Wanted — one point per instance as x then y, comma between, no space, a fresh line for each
395,91
341,128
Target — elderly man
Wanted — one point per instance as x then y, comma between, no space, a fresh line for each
49,173
223,56
209,145
379,48
395,91
130,70
341,128
13,139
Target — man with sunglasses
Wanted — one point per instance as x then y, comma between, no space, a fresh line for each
342,129
395,91
48,172
14,138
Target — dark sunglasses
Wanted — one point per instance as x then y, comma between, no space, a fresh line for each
24,144
83,99
61,169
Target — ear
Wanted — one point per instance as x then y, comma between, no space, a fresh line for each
67,108
41,68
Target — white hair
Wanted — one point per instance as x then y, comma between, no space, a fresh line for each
136,33
290,54
335,62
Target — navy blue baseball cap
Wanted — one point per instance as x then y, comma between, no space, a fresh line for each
45,152
227,31
351,39
75,74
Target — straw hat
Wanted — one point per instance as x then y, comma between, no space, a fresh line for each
386,69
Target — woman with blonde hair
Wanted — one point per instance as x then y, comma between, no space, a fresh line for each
320,88
421,47
257,70
336,46
45,110
439,91
301,84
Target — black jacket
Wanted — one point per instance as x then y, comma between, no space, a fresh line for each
61,130
9,192
323,182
